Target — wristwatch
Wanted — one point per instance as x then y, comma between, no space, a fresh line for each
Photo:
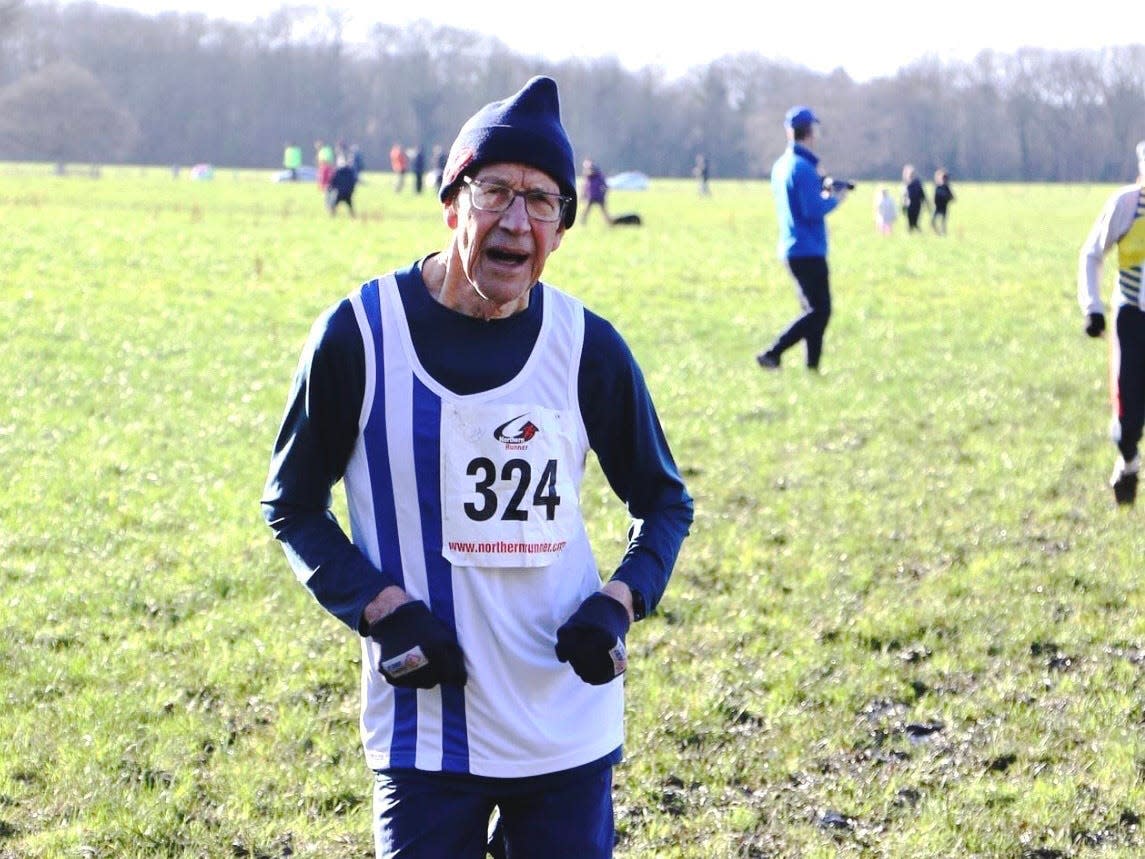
639,609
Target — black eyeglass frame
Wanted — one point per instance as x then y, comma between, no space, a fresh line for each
530,195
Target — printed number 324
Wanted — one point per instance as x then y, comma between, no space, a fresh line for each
519,474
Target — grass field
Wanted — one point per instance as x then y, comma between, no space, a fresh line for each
908,621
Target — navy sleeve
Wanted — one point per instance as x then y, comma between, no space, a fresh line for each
625,434
317,436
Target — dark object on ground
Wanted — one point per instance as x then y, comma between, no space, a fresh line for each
630,220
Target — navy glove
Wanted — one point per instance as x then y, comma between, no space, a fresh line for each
418,650
1095,325
592,640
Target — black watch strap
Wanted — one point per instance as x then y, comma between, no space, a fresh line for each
639,609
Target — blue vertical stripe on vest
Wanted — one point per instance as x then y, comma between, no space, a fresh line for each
438,571
403,747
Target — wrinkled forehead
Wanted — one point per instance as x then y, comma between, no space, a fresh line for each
517,176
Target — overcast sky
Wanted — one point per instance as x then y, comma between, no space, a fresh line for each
866,39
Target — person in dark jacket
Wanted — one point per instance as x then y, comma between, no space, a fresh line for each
417,165
943,197
341,188
594,190
913,197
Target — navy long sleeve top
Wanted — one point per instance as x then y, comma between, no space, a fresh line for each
466,355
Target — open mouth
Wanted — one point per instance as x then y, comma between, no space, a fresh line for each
507,257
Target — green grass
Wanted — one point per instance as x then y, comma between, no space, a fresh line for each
907,622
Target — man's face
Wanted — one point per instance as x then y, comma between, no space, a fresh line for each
503,253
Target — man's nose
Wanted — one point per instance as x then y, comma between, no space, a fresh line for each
516,216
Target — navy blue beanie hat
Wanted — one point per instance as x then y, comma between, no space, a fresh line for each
524,128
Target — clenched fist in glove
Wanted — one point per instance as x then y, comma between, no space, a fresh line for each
1095,324
592,640
418,650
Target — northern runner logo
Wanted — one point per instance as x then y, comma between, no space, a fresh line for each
516,433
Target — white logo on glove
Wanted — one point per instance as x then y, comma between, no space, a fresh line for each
406,663
619,656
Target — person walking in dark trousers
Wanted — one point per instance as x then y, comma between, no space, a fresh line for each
418,166
1120,225
943,197
341,189
913,197
803,199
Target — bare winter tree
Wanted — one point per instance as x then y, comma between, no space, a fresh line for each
206,89
9,13
62,113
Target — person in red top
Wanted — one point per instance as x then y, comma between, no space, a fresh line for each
324,158
399,163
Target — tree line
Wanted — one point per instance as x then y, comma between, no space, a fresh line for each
88,83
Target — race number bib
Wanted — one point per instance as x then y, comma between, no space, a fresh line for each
508,496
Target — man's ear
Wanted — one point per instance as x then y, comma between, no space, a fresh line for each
449,213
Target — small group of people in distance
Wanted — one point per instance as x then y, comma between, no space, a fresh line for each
338,168
804,198
913,201
412,161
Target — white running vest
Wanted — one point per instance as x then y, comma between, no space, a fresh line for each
1131,256
471,503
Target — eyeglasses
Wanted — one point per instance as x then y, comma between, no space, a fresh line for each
495,197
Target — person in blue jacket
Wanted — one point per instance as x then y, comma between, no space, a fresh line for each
457,400
803,199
